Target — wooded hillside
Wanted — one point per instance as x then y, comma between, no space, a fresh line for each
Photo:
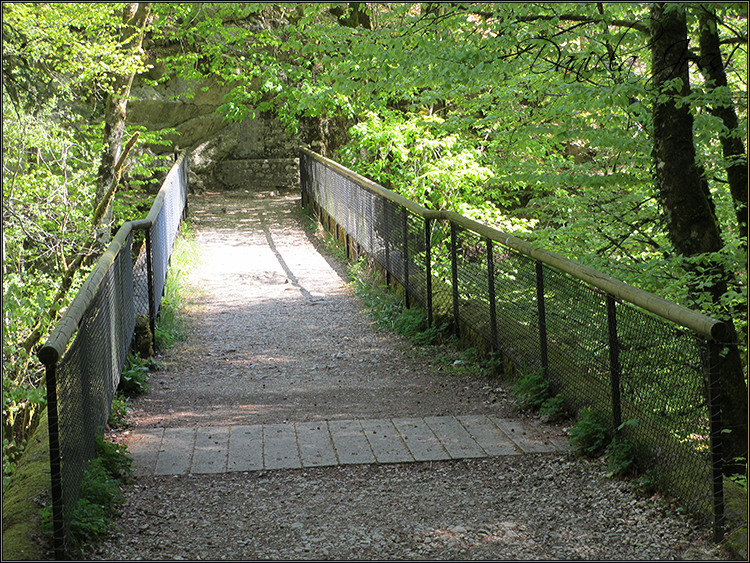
614,134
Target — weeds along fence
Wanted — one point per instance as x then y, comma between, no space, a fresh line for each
85,354
604,345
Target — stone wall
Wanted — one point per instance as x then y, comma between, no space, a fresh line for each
256,153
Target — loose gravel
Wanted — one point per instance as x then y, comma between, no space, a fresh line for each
275,335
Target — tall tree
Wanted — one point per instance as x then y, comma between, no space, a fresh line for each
711,64
135,17
686,200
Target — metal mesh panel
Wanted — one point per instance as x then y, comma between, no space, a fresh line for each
663,387
599,354
576,317
88,375
165,227
140,282
516,307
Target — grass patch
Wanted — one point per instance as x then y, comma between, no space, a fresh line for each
186,254
101,495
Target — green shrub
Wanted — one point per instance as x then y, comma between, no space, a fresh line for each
621,455
118,412
532,390
134,378
113,457
100,494
592,433
410,322
554,409
186,254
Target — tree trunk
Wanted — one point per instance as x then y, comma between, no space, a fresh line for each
712,66
687,207
135,16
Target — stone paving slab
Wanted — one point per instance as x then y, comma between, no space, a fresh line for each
454,437
222,449
420,439
315,444
245,448
350,442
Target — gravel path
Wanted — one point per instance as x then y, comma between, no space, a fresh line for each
276,336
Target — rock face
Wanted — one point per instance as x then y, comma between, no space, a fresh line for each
256,153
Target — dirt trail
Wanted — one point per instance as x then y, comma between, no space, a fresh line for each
276,336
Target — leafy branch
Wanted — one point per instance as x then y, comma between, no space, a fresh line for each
70,272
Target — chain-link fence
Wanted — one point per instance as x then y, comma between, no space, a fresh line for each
646,365
86,352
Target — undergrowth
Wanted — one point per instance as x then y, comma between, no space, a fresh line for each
533,392
101,495
185,255
593,437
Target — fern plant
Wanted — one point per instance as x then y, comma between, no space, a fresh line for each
592,433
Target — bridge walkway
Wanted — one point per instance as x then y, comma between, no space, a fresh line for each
283,369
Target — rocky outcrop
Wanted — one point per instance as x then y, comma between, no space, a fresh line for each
256,153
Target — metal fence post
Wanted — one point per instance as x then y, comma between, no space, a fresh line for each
717,455
428,268
150,281
55,462
454,279
491,287
542,316
614,363
406,258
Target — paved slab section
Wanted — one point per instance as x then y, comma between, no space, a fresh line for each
220,449
315,444
385,441
211,448
245,448
454,437
522,437
420,439
176,452
350,443
280,449
488,435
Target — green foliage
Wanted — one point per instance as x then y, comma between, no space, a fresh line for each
118,412
625,456
100,494
134,378
533,390
553,409
740,479
621,455
21,405
59,63
591,433
113,458
536,120
185,255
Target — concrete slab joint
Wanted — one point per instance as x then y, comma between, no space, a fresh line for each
223,449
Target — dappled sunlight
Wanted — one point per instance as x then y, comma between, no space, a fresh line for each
486,534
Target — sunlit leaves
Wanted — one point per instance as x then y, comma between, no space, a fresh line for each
74,46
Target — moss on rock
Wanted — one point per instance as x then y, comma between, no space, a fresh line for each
736,513
28,487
